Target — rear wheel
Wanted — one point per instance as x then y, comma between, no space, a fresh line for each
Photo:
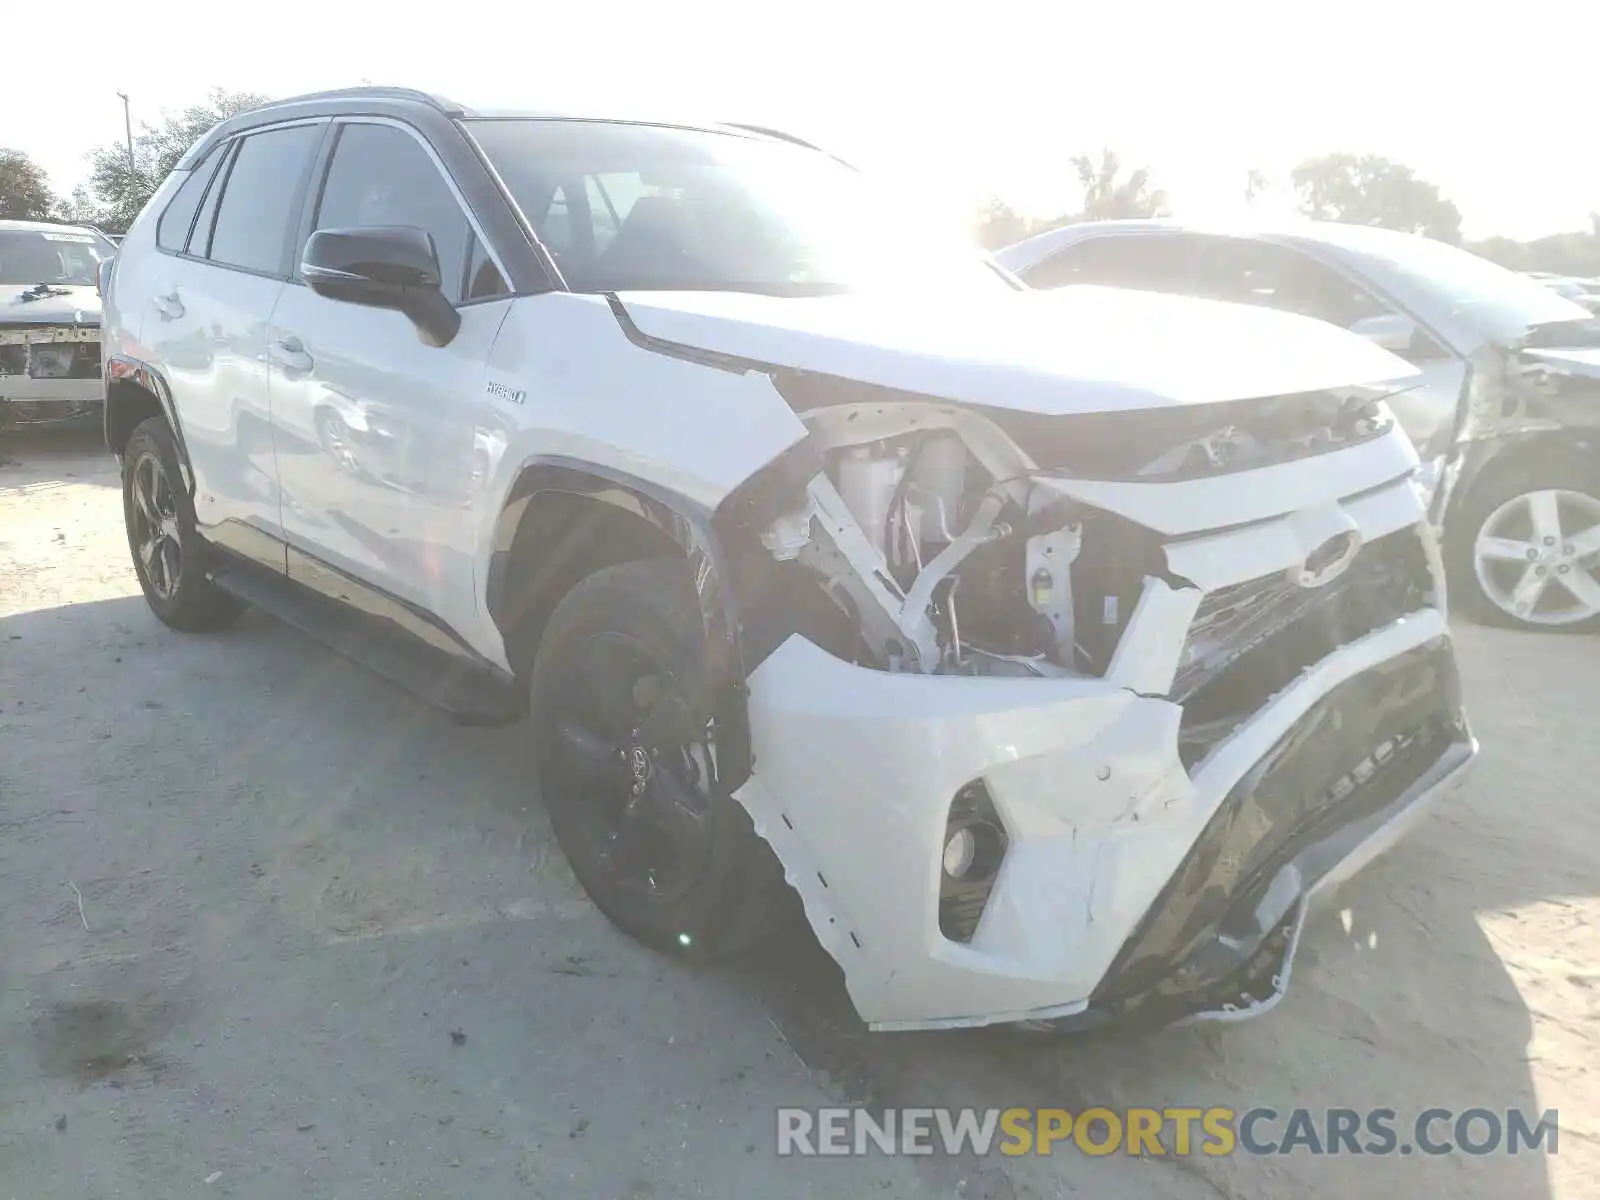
628,766
168,554
1525,549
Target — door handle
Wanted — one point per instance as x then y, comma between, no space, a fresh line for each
169,306
290,354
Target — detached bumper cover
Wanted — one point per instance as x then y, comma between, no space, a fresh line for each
1139,881
1326,796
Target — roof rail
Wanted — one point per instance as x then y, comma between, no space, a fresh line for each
780,135
448,107
768,131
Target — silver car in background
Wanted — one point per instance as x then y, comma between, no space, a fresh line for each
1505,412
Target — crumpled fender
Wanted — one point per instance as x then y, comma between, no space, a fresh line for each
722,550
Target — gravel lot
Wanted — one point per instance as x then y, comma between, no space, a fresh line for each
331,950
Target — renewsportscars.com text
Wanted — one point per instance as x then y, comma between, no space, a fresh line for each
1171,1131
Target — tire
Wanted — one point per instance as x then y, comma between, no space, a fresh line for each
624,648
1500,539
169,556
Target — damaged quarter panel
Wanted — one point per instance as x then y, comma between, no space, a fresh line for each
564,383
1537,396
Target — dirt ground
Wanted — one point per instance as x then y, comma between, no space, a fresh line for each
327,948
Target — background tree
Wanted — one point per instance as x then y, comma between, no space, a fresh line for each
1368,189
998,224
1574,253
1256,183
24,190
1107,196
115,193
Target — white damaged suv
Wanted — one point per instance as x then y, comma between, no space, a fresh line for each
1058,650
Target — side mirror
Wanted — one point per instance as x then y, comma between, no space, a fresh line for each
384,266
1392,331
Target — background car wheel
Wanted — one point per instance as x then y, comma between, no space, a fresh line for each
627,765
1525,549
168,555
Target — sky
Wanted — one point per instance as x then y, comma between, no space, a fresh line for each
1496,103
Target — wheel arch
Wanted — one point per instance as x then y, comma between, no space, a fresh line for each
1492,459
565,519
135,392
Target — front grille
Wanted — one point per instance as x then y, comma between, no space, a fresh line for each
1251,640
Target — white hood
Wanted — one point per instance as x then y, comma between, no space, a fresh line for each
1073,350
66,304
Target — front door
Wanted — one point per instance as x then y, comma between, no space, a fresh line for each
374,428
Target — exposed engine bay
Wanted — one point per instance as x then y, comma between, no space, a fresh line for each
1157,616
949,550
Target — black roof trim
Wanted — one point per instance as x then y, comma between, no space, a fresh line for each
448,107
768,131
381,101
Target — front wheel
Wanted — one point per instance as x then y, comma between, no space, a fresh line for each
1525,549
627,764
168,553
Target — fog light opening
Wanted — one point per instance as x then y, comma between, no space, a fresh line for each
969,861
960,853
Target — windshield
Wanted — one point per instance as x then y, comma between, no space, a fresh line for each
63,257
1502,303
642,207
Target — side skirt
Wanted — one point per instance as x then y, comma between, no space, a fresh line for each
381,633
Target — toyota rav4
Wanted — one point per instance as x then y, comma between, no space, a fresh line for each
1058,650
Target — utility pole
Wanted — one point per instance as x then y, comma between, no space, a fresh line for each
127,125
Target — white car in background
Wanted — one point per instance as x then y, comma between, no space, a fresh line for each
50,322
1503,413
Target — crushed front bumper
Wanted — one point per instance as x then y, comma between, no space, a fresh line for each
50,375
1138,881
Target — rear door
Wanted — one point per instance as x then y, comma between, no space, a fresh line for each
221,270
374,428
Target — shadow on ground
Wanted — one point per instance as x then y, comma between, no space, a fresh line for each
38,459
327,804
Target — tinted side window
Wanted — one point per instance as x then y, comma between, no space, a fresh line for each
200,240
611,198
483,277
1149,262
1264,273
555,229
381,175
260,202
172,231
